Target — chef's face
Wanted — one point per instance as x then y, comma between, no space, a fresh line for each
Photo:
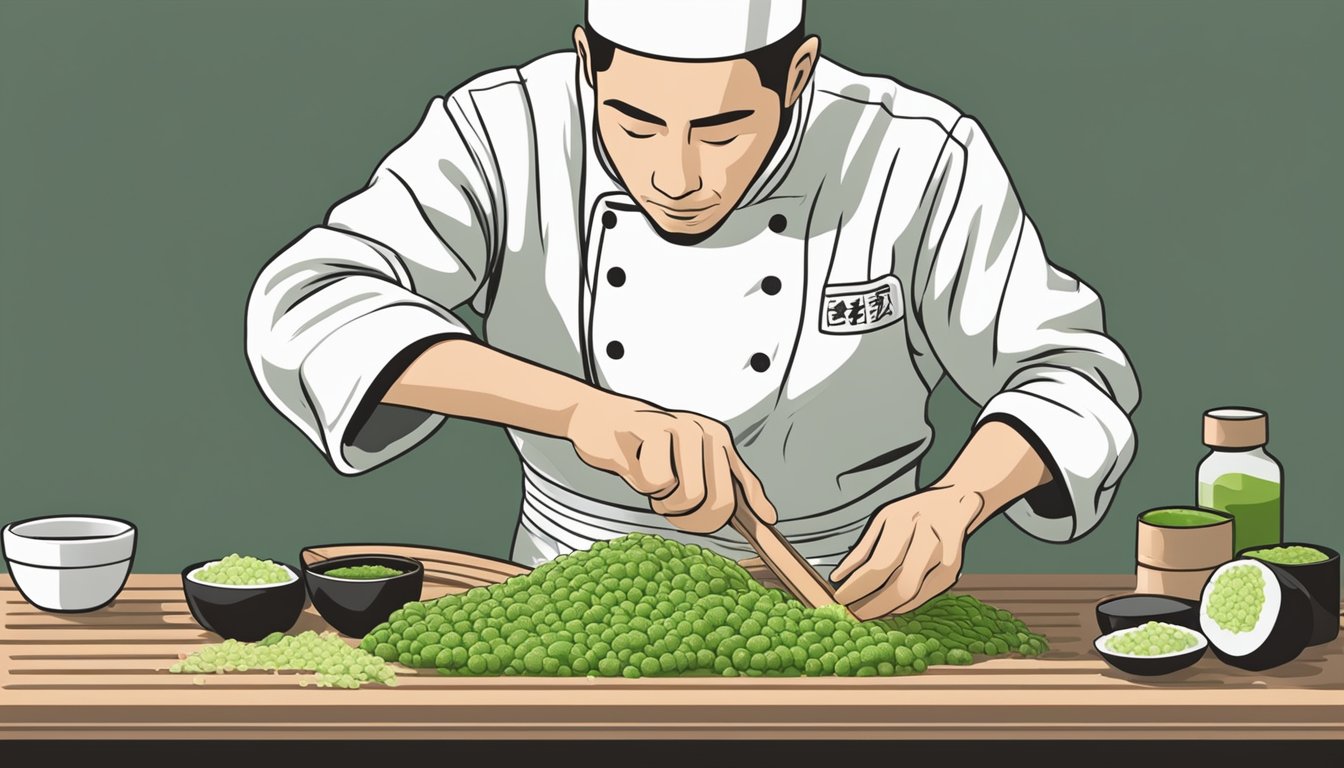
687,138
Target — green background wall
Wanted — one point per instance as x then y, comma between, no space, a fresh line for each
1180,157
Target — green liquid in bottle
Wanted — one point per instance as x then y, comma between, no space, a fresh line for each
1254,503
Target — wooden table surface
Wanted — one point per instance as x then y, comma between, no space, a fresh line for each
104,675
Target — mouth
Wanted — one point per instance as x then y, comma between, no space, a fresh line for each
682,214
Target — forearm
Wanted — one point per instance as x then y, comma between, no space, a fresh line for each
460,377
999,465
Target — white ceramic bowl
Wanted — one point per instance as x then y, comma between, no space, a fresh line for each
69,564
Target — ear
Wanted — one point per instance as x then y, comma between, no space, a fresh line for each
800,69
581,46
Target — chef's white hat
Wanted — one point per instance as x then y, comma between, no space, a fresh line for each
694,29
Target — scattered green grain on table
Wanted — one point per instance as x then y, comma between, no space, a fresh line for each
337,664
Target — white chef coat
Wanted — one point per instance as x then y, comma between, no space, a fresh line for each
882,248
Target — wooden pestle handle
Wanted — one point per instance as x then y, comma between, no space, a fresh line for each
790,567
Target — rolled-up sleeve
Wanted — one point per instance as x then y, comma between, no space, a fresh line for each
349,303
1025,340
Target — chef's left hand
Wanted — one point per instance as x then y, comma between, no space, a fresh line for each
910,552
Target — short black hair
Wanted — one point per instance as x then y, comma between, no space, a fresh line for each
771,62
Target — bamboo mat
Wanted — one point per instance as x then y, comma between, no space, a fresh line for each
104,675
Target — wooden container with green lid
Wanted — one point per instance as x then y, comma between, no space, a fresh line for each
1179,547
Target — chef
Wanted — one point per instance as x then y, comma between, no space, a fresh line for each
716,270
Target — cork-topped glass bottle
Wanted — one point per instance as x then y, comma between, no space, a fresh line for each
1240,477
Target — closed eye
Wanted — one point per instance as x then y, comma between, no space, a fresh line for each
721,143
634,135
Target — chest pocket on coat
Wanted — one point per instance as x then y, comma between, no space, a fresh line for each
861,307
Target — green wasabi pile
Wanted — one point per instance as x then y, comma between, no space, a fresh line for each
643,606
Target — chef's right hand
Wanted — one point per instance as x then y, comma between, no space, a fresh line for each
684,462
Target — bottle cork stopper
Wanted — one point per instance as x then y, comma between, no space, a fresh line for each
1235,428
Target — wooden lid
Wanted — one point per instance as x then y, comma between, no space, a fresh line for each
1235,428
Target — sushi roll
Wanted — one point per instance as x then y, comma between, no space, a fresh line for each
1255,614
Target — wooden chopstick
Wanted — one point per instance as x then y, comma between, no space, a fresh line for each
780,557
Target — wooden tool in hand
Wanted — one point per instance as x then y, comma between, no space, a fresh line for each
797,574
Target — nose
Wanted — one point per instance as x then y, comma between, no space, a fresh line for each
678,174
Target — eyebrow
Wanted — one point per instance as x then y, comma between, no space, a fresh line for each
699,122
721,119
635,112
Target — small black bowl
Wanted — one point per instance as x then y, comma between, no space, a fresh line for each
1321,580
244,613
1151,665
355,606
1125,611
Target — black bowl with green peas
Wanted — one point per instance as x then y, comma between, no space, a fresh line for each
1152,648
356,593
1317,568
245,612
